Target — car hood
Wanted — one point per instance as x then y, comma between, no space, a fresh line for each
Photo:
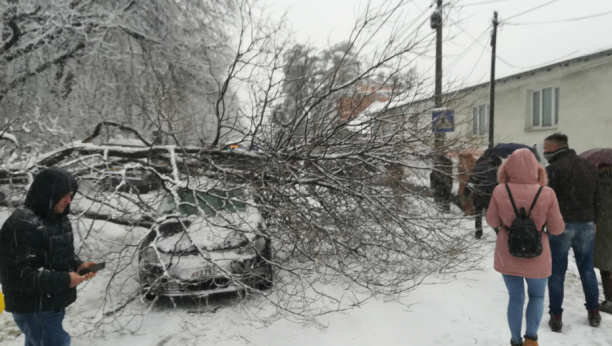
224,231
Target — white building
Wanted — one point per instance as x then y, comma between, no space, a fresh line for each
573,97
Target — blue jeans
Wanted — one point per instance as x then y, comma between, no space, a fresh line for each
536,288
43,328
581,238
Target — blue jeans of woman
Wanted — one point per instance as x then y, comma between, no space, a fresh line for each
536,289
580,237
43,328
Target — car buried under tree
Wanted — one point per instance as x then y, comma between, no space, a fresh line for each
208,239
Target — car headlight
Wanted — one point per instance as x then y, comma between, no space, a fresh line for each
150,256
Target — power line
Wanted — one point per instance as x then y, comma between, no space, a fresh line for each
477,61
498,57
530,10
483,3
562,20
463,54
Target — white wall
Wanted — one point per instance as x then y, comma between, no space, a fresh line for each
585,105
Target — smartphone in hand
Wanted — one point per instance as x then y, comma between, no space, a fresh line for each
93,268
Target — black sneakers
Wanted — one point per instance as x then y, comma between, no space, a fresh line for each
594,318
555,324
478,234
606,306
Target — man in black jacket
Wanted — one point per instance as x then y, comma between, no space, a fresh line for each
575,182
38,266
441,181
482,182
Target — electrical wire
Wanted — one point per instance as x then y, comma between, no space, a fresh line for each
476,41
530,10
561,20
477,61
498,57
482,3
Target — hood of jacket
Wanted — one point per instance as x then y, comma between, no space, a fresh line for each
48,188
522,167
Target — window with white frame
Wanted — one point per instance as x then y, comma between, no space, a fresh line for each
545,107
480,120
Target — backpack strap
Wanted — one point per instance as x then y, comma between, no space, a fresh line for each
535,200
512,201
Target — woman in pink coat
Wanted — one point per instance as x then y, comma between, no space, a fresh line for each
524,176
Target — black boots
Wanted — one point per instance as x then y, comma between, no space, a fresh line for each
594,318
555,324
606,306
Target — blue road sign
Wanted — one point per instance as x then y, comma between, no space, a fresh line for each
443,120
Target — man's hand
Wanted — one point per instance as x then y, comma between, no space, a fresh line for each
76,279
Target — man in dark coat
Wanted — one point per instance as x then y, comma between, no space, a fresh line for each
441,181
482,182
575,182
602,254
38,266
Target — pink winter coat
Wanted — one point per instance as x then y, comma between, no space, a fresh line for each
524,175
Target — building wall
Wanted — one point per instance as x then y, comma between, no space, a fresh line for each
585,106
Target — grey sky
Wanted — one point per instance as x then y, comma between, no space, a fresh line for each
520,47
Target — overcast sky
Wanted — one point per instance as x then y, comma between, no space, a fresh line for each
520,47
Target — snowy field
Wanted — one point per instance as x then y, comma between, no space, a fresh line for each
462,309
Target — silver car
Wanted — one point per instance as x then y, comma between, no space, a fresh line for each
207,240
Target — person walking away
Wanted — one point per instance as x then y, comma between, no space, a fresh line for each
441,182
481,184
575,181
38,266
602,253
526,179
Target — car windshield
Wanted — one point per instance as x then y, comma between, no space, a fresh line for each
209,202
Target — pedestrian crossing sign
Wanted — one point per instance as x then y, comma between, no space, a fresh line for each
443,120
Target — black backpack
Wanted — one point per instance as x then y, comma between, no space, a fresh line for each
524,239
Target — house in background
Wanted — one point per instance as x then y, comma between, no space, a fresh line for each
573,97
362,97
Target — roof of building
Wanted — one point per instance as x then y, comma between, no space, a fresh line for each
546,68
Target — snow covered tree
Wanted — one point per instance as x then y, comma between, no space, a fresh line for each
67,64
330,213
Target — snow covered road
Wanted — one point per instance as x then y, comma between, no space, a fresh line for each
463,309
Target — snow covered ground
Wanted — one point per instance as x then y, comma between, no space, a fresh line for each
463,309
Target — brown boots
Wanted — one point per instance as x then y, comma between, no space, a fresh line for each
529,341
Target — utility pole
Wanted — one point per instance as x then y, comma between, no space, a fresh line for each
439,137
442,167
492,83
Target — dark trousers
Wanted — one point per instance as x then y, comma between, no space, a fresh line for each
478,213
580,237
43,328
606,281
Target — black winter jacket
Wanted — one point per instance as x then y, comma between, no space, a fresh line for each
482,182
37,250
575,181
